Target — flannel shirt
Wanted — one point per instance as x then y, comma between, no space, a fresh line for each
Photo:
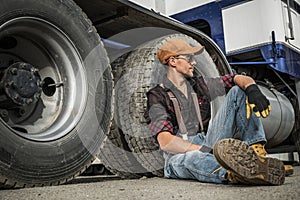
160,112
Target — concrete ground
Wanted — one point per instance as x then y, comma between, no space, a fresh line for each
111,187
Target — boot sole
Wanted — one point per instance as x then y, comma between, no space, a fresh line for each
240,158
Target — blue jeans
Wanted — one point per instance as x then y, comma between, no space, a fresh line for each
229,120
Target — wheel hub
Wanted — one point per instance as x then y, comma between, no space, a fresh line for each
22,83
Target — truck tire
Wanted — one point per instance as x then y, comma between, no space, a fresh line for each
55,134
115,153
118,158
142,71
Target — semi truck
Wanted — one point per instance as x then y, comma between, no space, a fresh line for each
73,81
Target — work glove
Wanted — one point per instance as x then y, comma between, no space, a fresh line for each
256,102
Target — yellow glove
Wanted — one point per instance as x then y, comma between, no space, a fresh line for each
250,107
256,102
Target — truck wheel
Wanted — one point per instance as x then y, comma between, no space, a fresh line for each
55,92
118,158
142,71
115,153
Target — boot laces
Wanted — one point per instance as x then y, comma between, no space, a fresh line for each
259,149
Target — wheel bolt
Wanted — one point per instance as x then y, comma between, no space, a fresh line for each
29,101
14,71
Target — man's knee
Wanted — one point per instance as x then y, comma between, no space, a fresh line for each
236,89
237,92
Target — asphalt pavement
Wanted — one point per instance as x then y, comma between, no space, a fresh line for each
112,187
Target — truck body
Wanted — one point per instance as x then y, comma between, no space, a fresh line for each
73,83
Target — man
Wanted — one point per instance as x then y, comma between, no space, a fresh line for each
188,152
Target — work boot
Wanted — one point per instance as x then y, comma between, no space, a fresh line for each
234,178
246,166
289,170
260,150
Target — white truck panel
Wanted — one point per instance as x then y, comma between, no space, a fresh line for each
170,7
251,24
145,3
176,6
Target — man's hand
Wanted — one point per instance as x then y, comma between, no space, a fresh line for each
256,102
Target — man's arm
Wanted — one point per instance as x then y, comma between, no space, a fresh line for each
175,144
243,81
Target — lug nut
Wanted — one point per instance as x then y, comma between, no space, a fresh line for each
34,70
14,71
29,101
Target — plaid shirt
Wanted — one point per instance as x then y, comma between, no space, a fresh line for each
160,112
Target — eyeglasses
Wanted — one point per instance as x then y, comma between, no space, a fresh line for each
188,58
